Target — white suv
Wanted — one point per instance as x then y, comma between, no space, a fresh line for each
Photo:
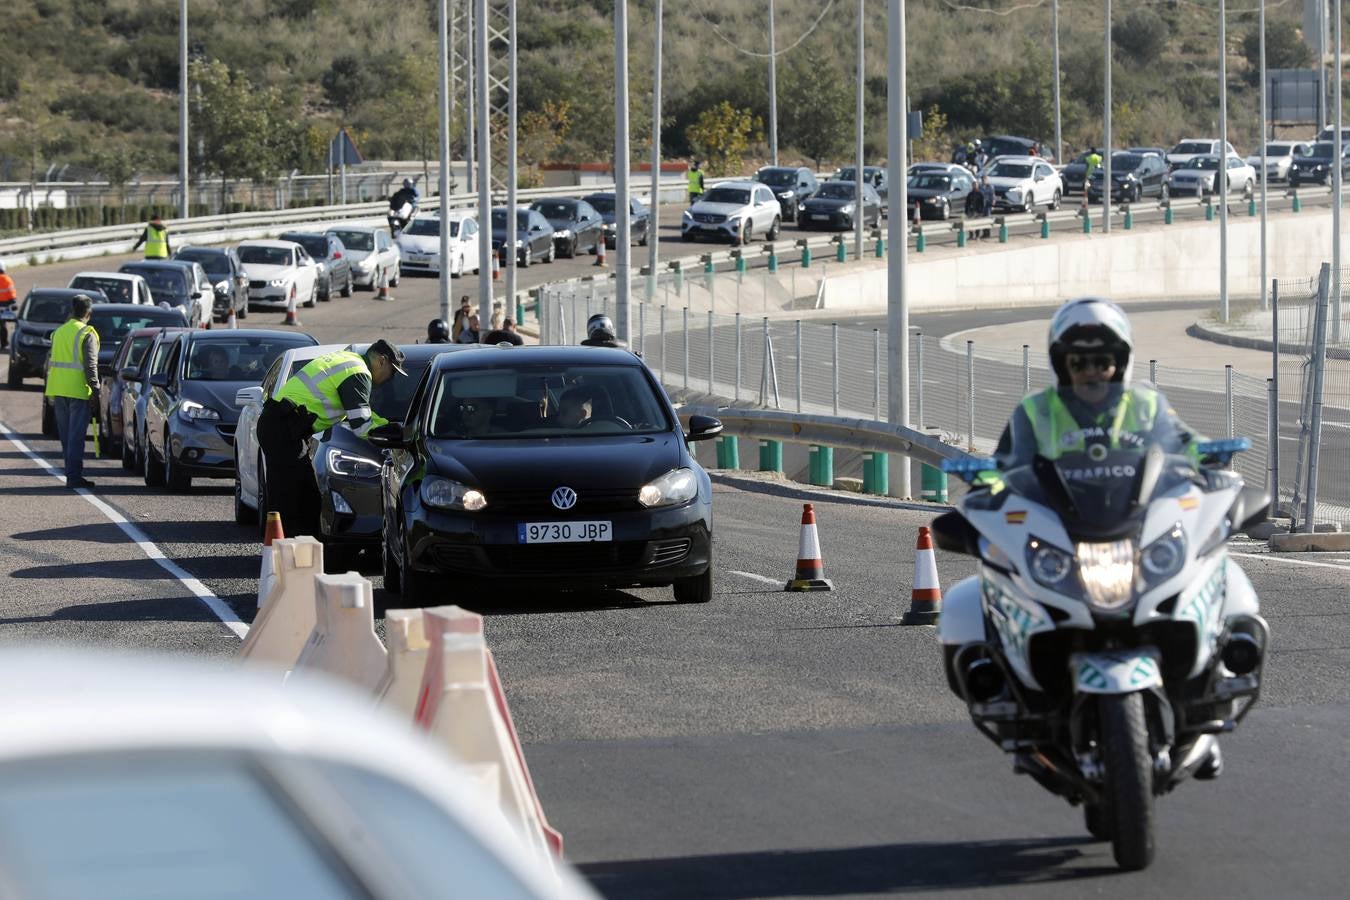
734,211
1022,183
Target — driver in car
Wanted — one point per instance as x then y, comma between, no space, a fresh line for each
213,364
1093,408
575,408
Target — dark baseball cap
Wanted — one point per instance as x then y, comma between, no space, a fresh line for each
389,352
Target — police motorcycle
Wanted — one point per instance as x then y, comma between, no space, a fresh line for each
398,218
1108,636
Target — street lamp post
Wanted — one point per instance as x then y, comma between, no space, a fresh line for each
1261,29
443,149
622,217
1106,128
773,86
1054,56
484,111
509,258
183,208
897,302
859,219
653,249
1336,187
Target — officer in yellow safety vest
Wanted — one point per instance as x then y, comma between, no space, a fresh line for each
333,388
1093,404
72,382
155,237
695,182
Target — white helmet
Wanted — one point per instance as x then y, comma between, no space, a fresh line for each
1091,324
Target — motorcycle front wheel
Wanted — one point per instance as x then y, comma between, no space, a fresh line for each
1129,779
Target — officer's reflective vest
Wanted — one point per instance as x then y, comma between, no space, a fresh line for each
315,387
156,242
694,176
1058,432
65,372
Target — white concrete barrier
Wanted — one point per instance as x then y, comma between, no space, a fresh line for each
462,705
343,642
286,615
408,646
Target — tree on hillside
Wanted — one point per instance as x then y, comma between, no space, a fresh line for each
117,164
815,108
1142,36
1284,49
242,129
722,135
935,142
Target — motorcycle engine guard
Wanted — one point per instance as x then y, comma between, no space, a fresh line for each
1115,672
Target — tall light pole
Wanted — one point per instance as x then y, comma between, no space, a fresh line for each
1321,63
1336,187
1106,128
1261,28
443,46
653,250
897,301
471,109
858,217
183,208
622,217
773,86
510,258
1221,177
1054,55
484,110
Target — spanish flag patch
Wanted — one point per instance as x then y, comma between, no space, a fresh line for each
1016,517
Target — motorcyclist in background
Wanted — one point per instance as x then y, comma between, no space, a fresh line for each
438,332
600,332
406,196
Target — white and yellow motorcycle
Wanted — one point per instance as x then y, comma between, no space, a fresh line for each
1108,637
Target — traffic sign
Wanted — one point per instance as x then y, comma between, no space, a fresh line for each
342,150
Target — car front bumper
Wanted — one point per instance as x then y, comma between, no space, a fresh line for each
832,220
29,361
420,262
350,513
270,295
204,449
715,231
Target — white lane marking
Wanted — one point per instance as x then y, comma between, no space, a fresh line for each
1271,557
753,577
218,607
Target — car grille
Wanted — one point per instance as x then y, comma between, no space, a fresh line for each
535,501
257,285
537,559
709,218
1000,191
666,552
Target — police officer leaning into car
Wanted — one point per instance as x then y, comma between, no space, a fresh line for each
333,388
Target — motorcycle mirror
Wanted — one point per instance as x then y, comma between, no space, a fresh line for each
954,533
1149,473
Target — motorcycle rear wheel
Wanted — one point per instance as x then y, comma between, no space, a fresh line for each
1129,779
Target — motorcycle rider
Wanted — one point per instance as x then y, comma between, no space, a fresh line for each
438,332
404,196
600,332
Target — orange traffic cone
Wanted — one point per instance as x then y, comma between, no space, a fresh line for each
291,317
925,599
918,215
230,321
498,260
383,292
600,252
810,568
272,533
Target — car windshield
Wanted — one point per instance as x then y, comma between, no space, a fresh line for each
1279,149
931,181
602,202
430,227
838,190
1194,147
1010,170
848,173
356,240
546,402
117,290
1126,162
217,265
733,196
499,220
1005,147
391,399
237,359
776,177
166,285
556,209
1202,162
45,308
1323,150
264,256
113,328
316,245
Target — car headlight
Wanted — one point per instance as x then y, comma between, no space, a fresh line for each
519,243
222,287
688,215
1048,564
362,265
676,486
447,494
564,233
1106,572
192,411
847,209
786,195
277,282
933,201
352,466
1163,558
801,207
1014,194
33,340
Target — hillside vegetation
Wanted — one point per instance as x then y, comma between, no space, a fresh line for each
92,85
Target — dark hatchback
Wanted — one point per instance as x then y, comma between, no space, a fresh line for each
172,281
1074,174
228,280
347,467
834,207
792,186
503,473
115,386
1134,176
1012,145
576,224
938,192
533,235
335,270
1315,168
190,414
639,219
42,311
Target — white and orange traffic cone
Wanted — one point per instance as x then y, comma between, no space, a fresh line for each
272,533
918,215
291,317
600,251
925,598
497,263
230,321
810,567
383,292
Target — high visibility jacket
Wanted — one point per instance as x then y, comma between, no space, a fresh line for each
1058,432
8,294
695,181
316,388
65,372
156,242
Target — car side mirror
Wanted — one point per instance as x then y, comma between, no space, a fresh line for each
251,394
391,439
196,295
130,373
703,428
159,380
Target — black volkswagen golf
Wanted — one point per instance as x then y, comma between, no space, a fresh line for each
557,466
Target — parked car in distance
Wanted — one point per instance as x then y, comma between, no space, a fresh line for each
1001,145
1197,176
190,415
873,175
1315,166
515,462
735,211
1134,176
530,235
639,219
1280,158
249,487
229,284
335,271
576,224
117,287
939,191
1073,174
279,272
177,282
834,207
793,186
1188,149
372,253
135,379
127,340
42,311
1021,183
419,245
1328,133
1161,151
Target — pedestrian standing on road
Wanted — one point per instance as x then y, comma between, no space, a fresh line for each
986,200
155,237
333,388
1092,162
470,333
9,301
72,383
461,316
695,182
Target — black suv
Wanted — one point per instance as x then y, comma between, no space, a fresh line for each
43,311
335,271
1134,176
227,279
792,187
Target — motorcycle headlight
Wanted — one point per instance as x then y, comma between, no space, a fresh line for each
277,282
1106,572
447,494
676,486
1048,564
349,464
193,411
1163,558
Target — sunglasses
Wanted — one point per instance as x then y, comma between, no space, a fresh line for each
1101,363
468,407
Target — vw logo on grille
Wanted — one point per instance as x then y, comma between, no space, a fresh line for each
564,498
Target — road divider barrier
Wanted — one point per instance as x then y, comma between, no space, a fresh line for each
407,646
343,642
810,574
286,614
271,532
461,705
925,595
